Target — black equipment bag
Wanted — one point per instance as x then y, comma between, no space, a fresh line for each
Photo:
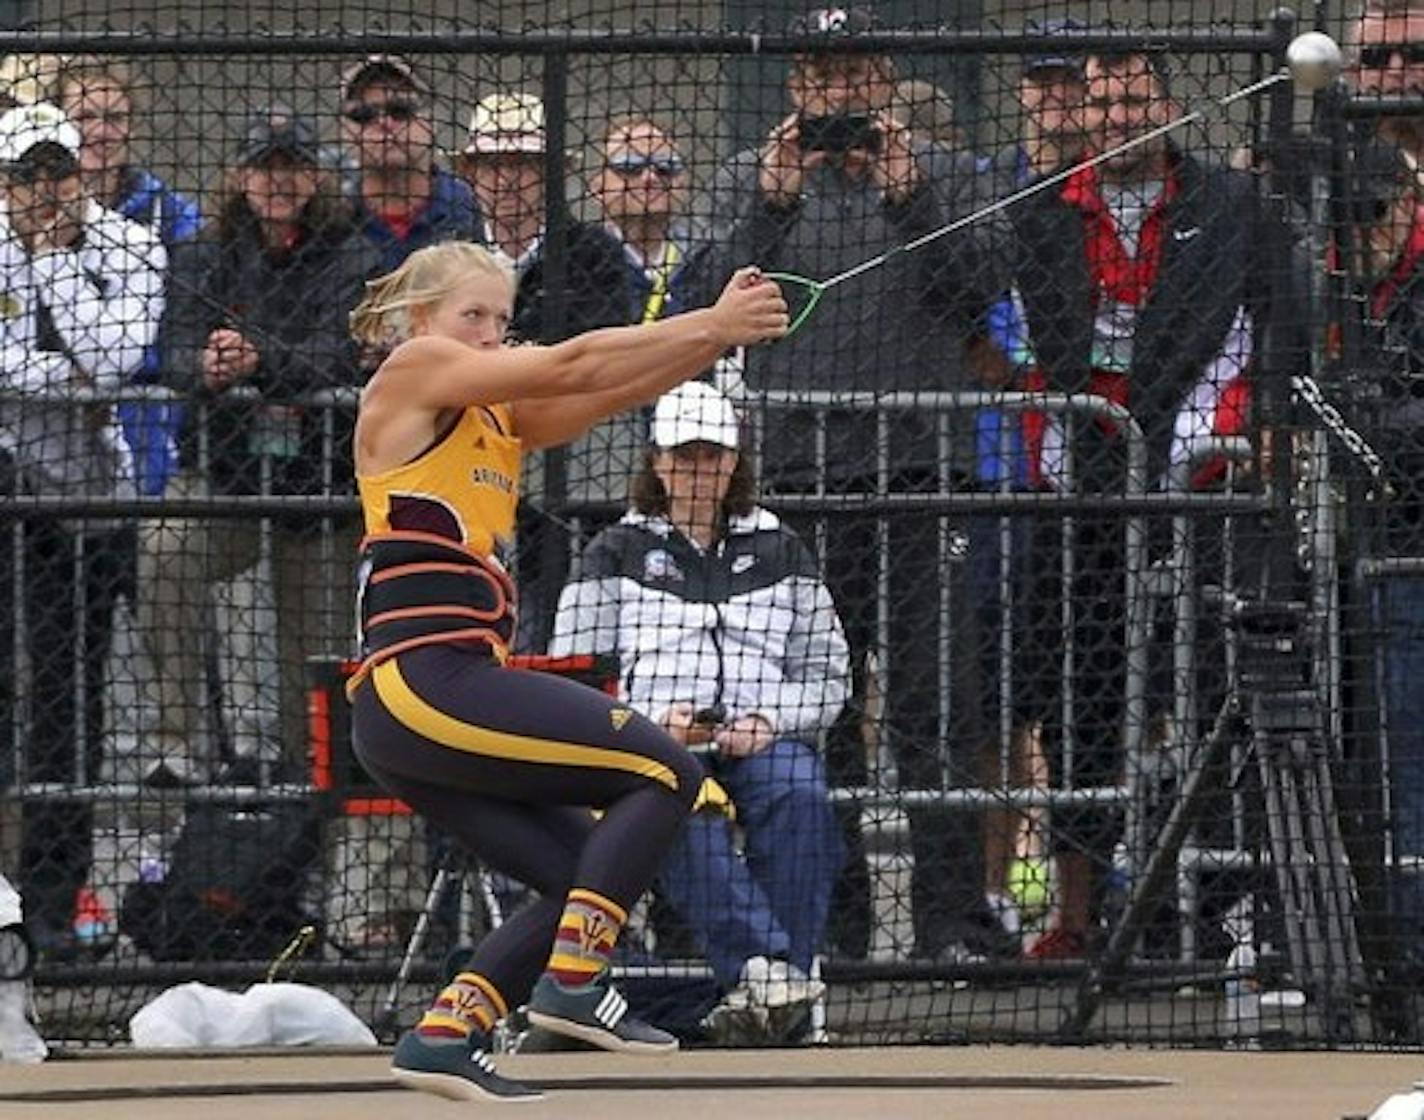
234,885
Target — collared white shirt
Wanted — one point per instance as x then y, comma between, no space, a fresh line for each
659,275
527,256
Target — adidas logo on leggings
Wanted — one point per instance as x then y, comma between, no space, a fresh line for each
611,1008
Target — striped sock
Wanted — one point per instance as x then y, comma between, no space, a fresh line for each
470,1004
587,933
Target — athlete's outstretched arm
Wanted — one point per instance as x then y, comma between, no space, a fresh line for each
552,421
433,373
548,421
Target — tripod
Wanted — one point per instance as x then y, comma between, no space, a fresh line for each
451,873
1272,699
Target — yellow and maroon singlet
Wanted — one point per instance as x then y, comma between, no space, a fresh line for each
430,568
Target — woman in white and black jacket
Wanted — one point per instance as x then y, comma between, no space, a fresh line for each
726,636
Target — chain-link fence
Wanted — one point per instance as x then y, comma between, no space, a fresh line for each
1048,616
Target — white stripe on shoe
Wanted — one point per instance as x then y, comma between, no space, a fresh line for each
611,1008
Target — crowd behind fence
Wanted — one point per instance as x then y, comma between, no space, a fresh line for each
1069,564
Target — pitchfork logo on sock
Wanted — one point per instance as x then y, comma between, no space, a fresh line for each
596,932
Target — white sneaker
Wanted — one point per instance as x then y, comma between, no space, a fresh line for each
771,998
772,983
1006,911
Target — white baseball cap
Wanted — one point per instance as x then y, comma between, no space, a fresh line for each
28,126
695,412
507,124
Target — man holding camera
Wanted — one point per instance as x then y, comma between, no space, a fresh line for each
836,182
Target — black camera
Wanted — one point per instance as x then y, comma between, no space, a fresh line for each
840,132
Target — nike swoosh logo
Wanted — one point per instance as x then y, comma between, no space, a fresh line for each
1185,234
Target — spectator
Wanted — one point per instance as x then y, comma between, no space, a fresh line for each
504,164
1050,96
404,201
727,637
836,182
641,185
83,296
1159,309
258,304
928,112
1390,239
1386,43
99,95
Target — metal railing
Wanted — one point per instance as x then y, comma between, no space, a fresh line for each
1143,581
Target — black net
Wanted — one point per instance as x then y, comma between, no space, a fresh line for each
1051,623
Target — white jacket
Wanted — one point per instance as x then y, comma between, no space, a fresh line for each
748,625
105,299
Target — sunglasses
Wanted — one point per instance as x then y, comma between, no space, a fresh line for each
629,165
365,113
1380,56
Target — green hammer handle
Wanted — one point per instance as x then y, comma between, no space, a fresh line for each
814,291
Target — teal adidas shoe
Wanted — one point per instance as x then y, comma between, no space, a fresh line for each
454,1070
597,1013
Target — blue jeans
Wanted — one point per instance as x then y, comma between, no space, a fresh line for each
773,899
1402,614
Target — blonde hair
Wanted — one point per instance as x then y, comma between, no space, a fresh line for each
424,278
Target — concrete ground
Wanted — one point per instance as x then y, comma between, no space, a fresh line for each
827,1084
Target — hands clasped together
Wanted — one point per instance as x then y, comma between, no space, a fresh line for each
742,736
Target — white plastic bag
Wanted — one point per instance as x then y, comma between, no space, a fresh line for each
19,1041
198,1016
1401,1106
11,913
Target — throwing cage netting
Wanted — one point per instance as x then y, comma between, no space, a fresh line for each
1056,646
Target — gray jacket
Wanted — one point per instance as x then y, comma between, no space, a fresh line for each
897,328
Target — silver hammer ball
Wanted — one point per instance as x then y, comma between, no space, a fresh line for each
1313,59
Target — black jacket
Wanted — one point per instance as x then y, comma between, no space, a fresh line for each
1220,252
294,308
594,292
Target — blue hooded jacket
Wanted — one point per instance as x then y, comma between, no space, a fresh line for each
152,428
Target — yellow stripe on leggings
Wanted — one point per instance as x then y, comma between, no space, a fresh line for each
433,724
